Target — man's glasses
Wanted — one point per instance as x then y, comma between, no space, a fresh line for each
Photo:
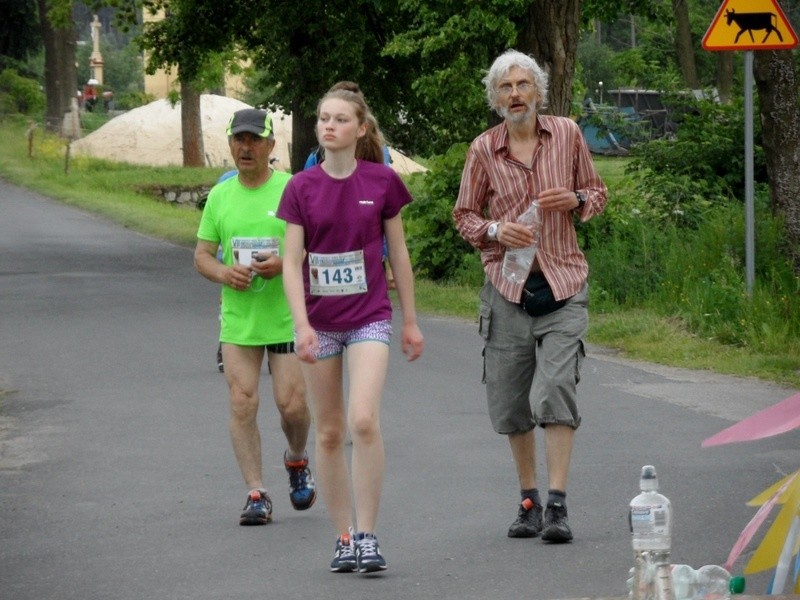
523,87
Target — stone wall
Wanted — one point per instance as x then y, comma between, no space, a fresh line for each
175,194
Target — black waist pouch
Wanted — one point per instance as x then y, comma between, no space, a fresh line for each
537,297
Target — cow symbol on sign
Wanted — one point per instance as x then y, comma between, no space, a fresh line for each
753,21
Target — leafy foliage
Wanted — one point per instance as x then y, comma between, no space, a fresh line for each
19,94
635,68
703,166
131,100
697,276
19,32
300,63
453,43
192,31
437,250
608,10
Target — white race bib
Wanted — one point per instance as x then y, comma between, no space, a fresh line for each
246,249
337,274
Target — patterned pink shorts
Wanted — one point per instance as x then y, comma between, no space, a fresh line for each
333,343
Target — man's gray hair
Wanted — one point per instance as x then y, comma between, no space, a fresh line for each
503,64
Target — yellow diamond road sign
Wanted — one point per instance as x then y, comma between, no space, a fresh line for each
750,25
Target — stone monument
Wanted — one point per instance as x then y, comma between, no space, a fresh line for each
96,59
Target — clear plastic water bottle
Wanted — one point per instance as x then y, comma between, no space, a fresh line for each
713,583
517,261
651,526
684,582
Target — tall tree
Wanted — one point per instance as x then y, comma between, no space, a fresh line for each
775,74
60,74
191,126
551,32
291,44
317,43
191,32
173,43
724,76
455,42
685,47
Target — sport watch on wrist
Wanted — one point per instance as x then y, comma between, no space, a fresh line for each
491,233
581,200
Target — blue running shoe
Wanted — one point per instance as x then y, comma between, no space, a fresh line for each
344,558
257,510
302,490
368,553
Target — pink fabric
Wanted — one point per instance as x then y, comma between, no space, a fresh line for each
750,529
779,418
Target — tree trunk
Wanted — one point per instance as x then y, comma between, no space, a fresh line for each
304,136
191,127
550,34
60,73
725,76
776,79
685,48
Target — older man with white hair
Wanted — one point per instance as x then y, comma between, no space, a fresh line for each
533,330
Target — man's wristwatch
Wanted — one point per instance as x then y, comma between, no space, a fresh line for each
491,233
581,200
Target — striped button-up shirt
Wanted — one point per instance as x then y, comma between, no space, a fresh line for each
495,186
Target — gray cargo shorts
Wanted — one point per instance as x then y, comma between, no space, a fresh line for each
531,365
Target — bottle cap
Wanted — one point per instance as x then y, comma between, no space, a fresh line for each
648,480
736,585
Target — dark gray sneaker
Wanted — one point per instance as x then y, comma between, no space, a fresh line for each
529,520
556,529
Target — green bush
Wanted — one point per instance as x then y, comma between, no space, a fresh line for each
437,250
701,168
698,276
20,94
131,100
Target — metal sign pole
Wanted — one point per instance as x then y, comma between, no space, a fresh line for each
733,19
749,210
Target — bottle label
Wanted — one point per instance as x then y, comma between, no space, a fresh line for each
649,524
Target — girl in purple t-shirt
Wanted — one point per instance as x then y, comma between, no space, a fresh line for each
337,214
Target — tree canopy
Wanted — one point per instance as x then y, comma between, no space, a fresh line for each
419,63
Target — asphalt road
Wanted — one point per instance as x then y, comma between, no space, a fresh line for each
117,480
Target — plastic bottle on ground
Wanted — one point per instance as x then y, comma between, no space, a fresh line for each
684,581
713,583
651,526
517,261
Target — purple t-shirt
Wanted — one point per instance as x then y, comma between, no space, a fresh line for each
345,215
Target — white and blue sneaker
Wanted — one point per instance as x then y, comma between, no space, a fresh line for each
344,558
368,553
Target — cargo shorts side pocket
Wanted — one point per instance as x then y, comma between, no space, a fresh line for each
484,329
485,321
581,355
